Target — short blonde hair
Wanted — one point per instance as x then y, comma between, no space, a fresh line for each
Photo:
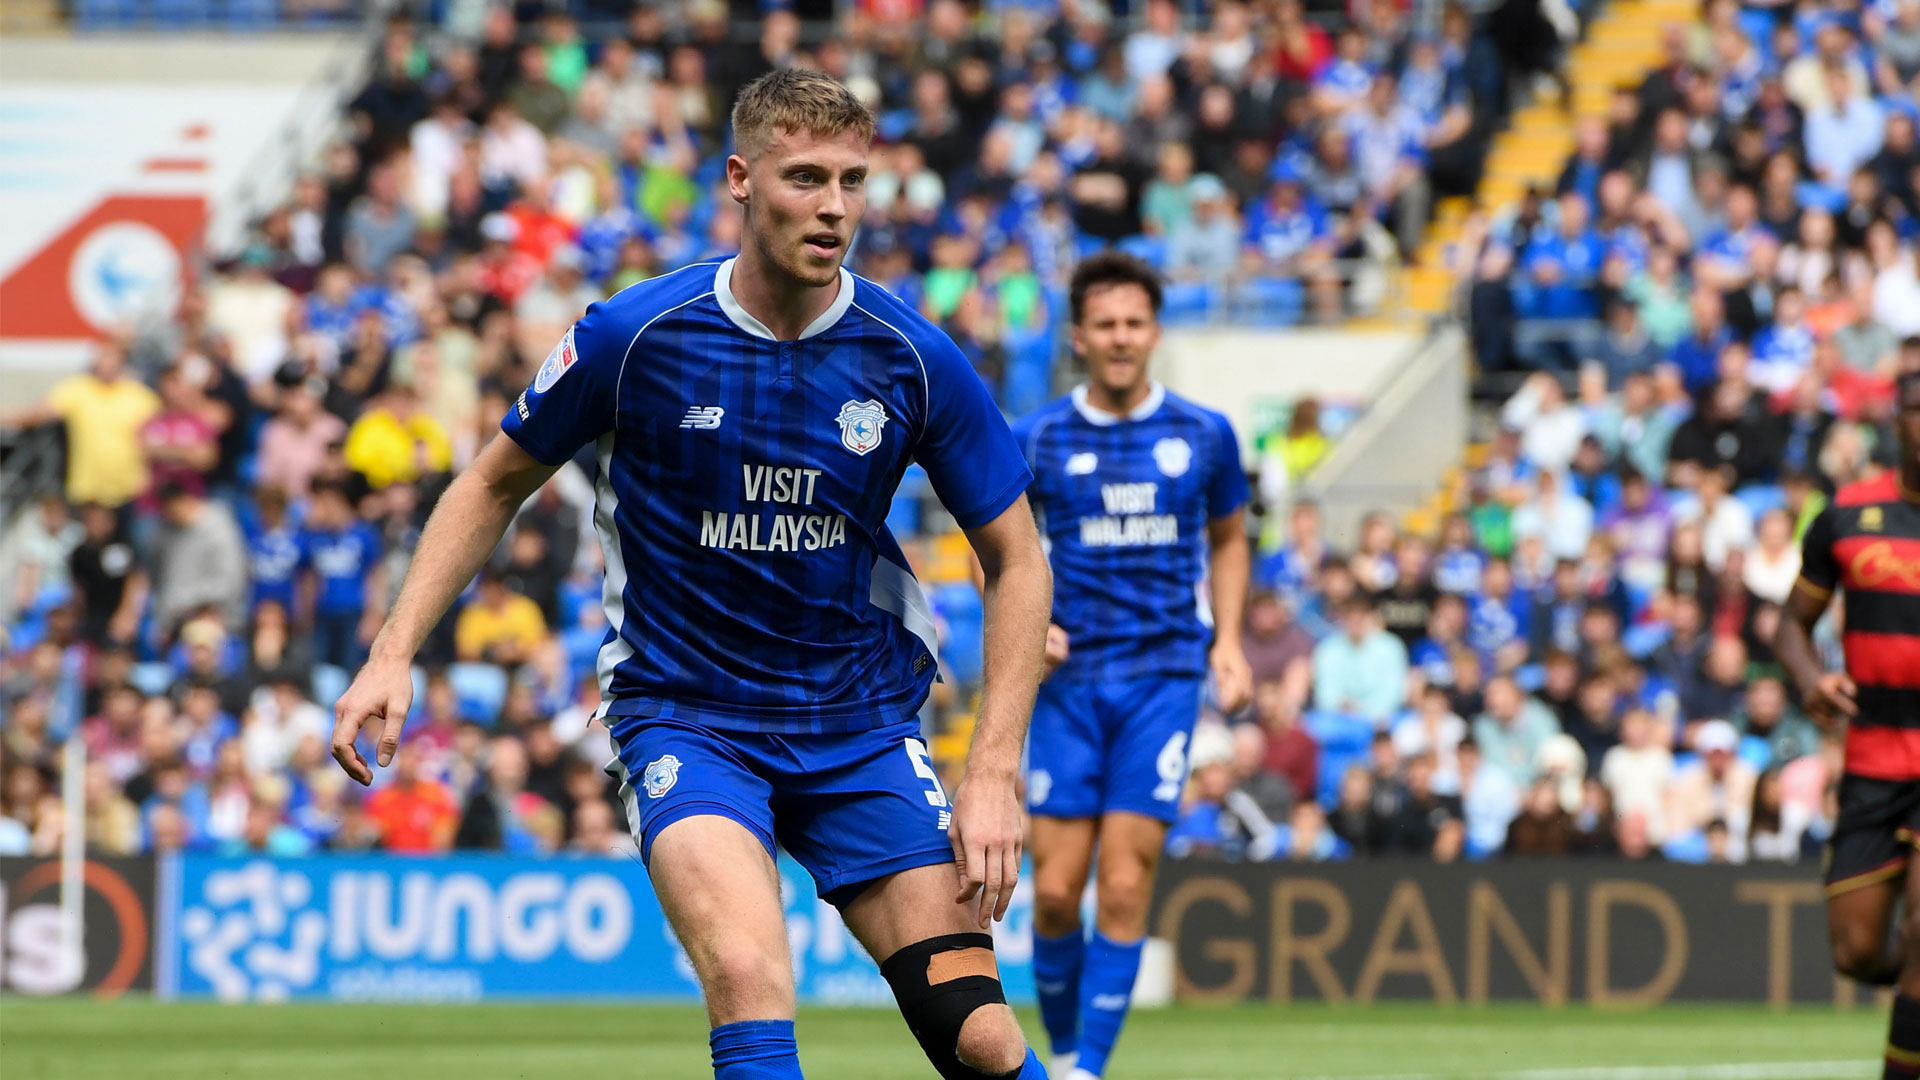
796,100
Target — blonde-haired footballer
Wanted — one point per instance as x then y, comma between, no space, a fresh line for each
768,649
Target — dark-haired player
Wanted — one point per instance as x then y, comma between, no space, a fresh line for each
1139,493
1868,544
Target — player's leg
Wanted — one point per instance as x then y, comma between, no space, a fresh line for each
702,818
721,893
1902,1058
1062,850
942,971
1130,846
1858,930
1066,754
1149,723
1866,860
864,812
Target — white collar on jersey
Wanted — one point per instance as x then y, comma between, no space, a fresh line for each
1102,418
723,292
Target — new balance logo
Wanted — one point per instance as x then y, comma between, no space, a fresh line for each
1108,1002
703,417
946,820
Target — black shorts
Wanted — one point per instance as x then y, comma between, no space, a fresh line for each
1878,830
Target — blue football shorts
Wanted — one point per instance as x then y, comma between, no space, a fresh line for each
1098,746
851,807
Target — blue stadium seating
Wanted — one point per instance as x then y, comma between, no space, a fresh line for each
480,690
1189,303
329,682
1269,302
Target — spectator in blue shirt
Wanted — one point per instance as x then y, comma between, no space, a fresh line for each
1562,265
345,586
273,545
1500,615
1290,235
1361,671
1342,85
1388,147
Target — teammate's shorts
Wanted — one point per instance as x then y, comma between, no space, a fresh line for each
1878,830
851,807
1101,746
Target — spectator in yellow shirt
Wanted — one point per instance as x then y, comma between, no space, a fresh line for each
394,441
104,411
1305,444
500,627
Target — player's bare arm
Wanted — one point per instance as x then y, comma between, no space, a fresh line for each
1229,563
1829,695
1017,588
465,527
1058,643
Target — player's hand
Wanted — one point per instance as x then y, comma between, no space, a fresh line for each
986,834
1831,698
1056,647
383,691
1232,678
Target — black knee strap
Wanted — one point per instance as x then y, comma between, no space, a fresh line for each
939,982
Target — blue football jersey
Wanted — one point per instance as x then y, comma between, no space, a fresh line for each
743,488
1124,504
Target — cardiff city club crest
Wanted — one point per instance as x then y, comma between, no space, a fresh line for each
860,424
660,775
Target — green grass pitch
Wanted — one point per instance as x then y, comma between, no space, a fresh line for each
81,1039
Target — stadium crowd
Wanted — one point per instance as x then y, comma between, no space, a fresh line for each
1703,320
1578,663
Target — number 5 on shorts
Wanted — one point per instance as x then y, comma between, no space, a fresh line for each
923,765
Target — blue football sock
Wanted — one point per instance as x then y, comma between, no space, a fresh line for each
1106,988
1031,1069
1056,982
755,1050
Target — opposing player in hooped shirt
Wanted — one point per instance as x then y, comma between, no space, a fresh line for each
1867,546
768,649
1140,495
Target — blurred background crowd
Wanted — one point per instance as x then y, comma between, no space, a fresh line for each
1689,344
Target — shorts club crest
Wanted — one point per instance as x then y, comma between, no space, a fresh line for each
660,775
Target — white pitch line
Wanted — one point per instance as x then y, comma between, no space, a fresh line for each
1784,1070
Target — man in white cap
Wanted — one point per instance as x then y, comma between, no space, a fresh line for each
1717,787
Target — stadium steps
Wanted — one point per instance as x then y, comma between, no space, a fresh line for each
30,17
1621,46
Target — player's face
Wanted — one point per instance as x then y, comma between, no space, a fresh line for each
1116,335
804,195
1907,421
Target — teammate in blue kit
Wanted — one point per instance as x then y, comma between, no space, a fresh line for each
1140,495
768,648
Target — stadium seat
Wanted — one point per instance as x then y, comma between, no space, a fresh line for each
1686,848
153,679
180,14
958,605
329,682
103,14
480,690
1760,498
1189,303
1269,302
1641,640
251,14
1148,249
903,514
